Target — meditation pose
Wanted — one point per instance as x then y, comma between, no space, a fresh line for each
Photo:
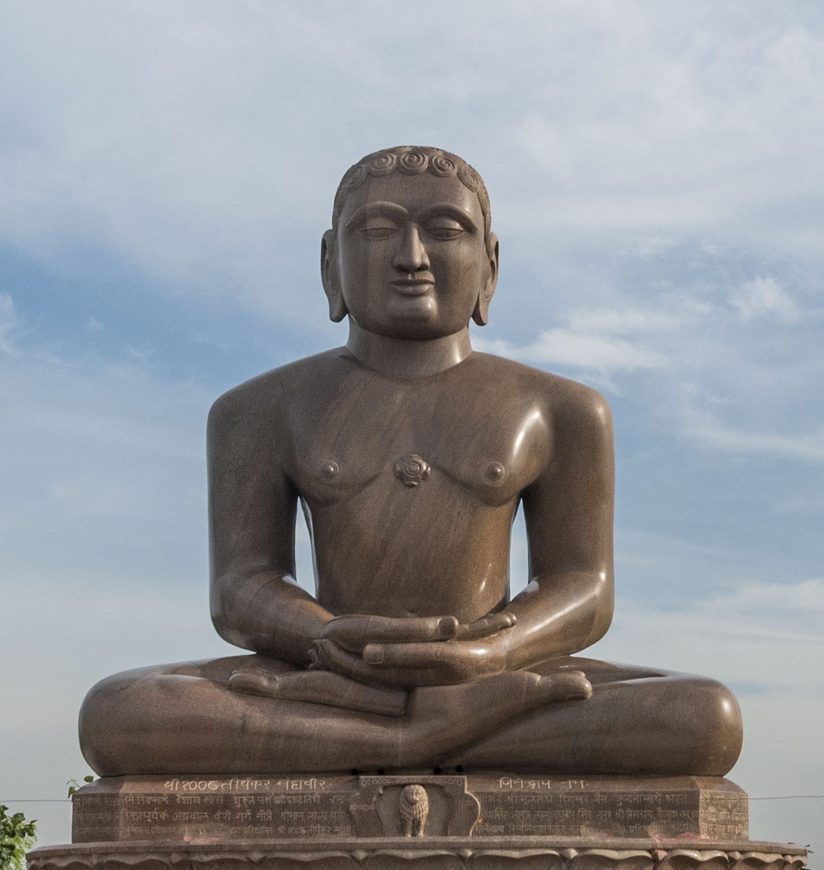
409,454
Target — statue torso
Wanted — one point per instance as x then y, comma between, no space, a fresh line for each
410,486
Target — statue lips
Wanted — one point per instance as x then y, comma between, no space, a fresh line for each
413,286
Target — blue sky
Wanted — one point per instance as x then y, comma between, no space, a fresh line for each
167,169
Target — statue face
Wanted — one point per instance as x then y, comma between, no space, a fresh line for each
410,259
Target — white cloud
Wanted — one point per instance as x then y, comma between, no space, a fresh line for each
708,431
604,320
802,602
763,296
759,635
583,350
712,374
801,503
9,325
599,340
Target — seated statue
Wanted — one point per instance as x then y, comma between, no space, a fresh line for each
410,454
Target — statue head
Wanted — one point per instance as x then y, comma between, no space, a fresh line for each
417,215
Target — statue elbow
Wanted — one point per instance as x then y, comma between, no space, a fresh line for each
223,618
604,607
222,627
232,634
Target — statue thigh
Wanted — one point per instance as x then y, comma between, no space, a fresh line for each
638,721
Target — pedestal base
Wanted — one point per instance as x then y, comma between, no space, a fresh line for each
486,821
485,804
476,853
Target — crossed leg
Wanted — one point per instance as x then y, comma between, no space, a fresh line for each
183,719
638,721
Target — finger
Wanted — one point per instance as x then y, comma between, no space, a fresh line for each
253,682
336,659
570,685
354,632
455,662
486,626
337,690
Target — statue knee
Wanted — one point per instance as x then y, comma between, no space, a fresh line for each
717,727
94,725
110,716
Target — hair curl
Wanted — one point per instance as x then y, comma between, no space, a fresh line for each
412,160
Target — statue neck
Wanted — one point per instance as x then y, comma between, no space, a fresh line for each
408,358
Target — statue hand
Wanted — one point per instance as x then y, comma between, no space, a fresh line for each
485,626
417,653
353,632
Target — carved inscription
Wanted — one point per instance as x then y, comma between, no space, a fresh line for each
724,816
234,808
608,807
230,809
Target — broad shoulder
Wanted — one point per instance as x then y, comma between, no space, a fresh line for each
258,398
563,400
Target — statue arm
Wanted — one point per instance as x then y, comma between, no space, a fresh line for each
255,602
568,602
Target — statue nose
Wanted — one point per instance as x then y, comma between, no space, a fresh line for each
411,256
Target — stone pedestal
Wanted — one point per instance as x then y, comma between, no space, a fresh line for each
416,821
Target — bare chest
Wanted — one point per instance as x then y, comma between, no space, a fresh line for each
490,446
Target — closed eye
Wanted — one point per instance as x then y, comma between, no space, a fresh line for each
377,230
444,229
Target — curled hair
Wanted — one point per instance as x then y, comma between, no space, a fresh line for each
412,160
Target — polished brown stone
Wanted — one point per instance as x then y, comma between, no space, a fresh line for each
479,805
410,453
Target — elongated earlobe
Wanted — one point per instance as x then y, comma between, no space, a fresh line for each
329,276
481,313
337,307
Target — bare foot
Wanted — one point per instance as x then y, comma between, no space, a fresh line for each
319,687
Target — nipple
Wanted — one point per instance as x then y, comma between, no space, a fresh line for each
329,470
494,474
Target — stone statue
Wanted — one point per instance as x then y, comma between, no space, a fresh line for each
409,454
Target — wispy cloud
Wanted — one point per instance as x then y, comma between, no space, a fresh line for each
765,635
584,351
8,324
763,296
598,341
621,322
704,429
721,364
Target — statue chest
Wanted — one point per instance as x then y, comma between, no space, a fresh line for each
421,445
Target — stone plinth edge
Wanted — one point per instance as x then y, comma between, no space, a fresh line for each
319,807
430,854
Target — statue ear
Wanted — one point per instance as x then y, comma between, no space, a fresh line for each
329,276
481,313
